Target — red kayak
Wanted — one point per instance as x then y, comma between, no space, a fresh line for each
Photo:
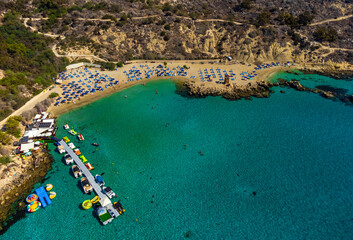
95,144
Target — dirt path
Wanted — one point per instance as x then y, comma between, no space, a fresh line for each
75,55
31,103
187,18
331,20
25,22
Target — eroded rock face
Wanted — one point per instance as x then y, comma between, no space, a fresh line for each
12,196
258,89
231,92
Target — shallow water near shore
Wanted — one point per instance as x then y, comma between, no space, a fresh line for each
275,168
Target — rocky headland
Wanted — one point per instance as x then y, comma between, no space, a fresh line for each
32,170
260,89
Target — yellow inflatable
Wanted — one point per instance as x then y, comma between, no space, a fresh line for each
95,199
49,187
52,195
87,204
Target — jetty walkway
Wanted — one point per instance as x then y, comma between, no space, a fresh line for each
104,200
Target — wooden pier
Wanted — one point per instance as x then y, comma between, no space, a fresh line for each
104,200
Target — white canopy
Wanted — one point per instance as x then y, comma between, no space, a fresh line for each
27,146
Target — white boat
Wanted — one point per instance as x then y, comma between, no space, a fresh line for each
61,149
72,132
68,159
80,137
109,192
87,188
76,171
72,146
66,126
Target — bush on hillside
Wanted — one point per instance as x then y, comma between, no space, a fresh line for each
54,95
5,160
325,34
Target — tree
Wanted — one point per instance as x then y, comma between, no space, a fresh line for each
4,138
288,19
246,4
305,18
54,95
12,126
5,160
327,34
263,18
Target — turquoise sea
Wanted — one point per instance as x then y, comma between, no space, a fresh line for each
275,168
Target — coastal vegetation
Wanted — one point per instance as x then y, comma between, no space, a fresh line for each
123,30
29,64
4,138
5,160
327,34
12,126
54,95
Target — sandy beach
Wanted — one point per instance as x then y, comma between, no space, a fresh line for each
193,68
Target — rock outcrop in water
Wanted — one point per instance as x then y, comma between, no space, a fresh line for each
12,197
230,91
256,89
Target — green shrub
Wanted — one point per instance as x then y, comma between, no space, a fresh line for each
5,160
107,66
4,138
327,34
12,126
107,16
120,64
263,18
246,4
54,95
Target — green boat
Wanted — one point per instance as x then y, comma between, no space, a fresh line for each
104,216
72,132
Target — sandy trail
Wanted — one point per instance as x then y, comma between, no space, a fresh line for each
331,20
31,103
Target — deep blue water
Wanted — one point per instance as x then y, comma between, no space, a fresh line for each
275,168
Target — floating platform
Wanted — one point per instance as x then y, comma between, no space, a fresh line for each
43,196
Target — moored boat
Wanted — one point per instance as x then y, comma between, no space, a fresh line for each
61,149
68,159
66,139
72,132
77,151
66,126
99,180
119,207
83,158
87,188
103,215
76,171
80,137
71,145
109,192
89,166
95,144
